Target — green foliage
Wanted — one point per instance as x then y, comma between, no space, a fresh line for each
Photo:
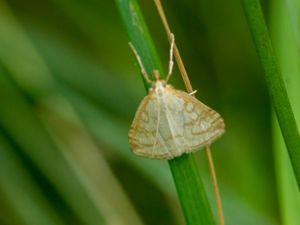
69,87
284,22
275,83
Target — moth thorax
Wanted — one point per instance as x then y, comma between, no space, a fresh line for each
159,87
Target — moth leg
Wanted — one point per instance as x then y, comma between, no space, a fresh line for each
193,92
143,70
171,62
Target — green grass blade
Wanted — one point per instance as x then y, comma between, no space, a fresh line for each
185,173
19,120
286,45
190,190
69,183
275,84
37,145
288,192
21,191
90,165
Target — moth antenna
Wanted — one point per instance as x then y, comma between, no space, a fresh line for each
143,70
171,62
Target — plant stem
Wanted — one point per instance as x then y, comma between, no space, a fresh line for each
275,84
286,43
186,175
216,186
189,88
190,190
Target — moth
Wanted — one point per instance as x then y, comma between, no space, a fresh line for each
171,122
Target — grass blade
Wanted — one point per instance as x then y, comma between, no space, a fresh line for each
21,192
37,145
286,44
275,84
185,173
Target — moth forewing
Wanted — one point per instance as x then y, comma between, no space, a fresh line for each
202,125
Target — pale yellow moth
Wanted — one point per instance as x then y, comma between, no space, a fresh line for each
171,122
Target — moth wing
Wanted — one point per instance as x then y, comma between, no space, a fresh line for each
174,123
149,134
200,124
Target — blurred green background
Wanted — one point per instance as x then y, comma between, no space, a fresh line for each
69,88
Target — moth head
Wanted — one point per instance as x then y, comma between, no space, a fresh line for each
158,85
